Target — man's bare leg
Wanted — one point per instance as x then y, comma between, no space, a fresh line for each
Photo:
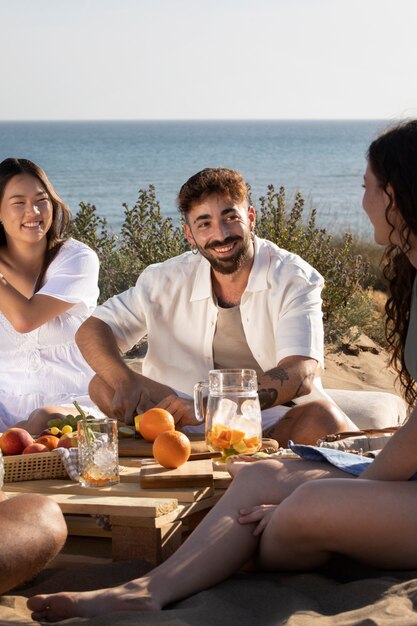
39,418
306,423
195,565
32,532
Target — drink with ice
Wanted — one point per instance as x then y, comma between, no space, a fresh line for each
232,412
98,452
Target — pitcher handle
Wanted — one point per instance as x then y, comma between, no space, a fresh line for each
199,397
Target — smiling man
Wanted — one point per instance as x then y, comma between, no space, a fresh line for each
234,301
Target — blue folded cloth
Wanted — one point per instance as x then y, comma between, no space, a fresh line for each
351,463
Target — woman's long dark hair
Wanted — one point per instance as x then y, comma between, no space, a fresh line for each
393,160
60,212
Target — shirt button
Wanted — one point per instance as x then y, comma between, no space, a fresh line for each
34,359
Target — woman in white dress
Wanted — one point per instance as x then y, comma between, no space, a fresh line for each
48,287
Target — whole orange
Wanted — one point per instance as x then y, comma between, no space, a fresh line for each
153,422
171,449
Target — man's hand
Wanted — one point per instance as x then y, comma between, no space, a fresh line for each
182,410
130,399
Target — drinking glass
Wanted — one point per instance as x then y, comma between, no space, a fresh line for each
98,455
229,403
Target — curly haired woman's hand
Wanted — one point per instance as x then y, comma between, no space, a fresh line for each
261,515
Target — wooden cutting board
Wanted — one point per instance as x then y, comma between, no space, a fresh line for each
130,446
191,474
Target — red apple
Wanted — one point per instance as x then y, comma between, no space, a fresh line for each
15,440
33,448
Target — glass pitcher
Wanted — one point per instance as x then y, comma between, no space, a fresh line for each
229,404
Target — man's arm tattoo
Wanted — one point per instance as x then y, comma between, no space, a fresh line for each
267,397
299,390
278,373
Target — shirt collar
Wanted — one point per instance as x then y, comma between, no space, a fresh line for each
257,278
202,281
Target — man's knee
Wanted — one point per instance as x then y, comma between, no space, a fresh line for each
38,529
306,423
38,516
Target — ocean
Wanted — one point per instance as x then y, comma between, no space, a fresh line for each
105,163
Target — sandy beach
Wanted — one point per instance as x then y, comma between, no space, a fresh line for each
344,593
361,365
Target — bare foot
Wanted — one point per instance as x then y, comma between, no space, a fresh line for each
132,596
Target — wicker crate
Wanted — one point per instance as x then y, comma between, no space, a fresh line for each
38,466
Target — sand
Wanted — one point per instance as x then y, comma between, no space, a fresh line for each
360,365
344,593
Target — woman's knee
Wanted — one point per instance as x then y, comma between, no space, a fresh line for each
306,515
258,477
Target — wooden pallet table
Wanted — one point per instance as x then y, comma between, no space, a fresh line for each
145,523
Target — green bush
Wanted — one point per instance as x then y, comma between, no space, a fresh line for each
147,237
147,234
342,269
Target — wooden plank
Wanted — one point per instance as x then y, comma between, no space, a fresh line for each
191,474
136,446
106,505
150,544
222,478
131,489
85,526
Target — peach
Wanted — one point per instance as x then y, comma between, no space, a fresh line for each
14,441
50,441
68,440
34,448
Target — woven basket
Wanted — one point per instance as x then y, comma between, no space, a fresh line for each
38,466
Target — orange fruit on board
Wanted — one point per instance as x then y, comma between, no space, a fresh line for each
153,422
171,449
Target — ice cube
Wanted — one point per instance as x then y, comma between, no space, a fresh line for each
225,411
104,458
248,426
251,409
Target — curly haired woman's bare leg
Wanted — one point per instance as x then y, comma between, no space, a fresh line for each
195,565
372,521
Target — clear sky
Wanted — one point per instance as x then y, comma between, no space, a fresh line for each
208,59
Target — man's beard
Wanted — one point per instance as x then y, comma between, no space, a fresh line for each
233,263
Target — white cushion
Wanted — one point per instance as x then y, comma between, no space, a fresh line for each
370,409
